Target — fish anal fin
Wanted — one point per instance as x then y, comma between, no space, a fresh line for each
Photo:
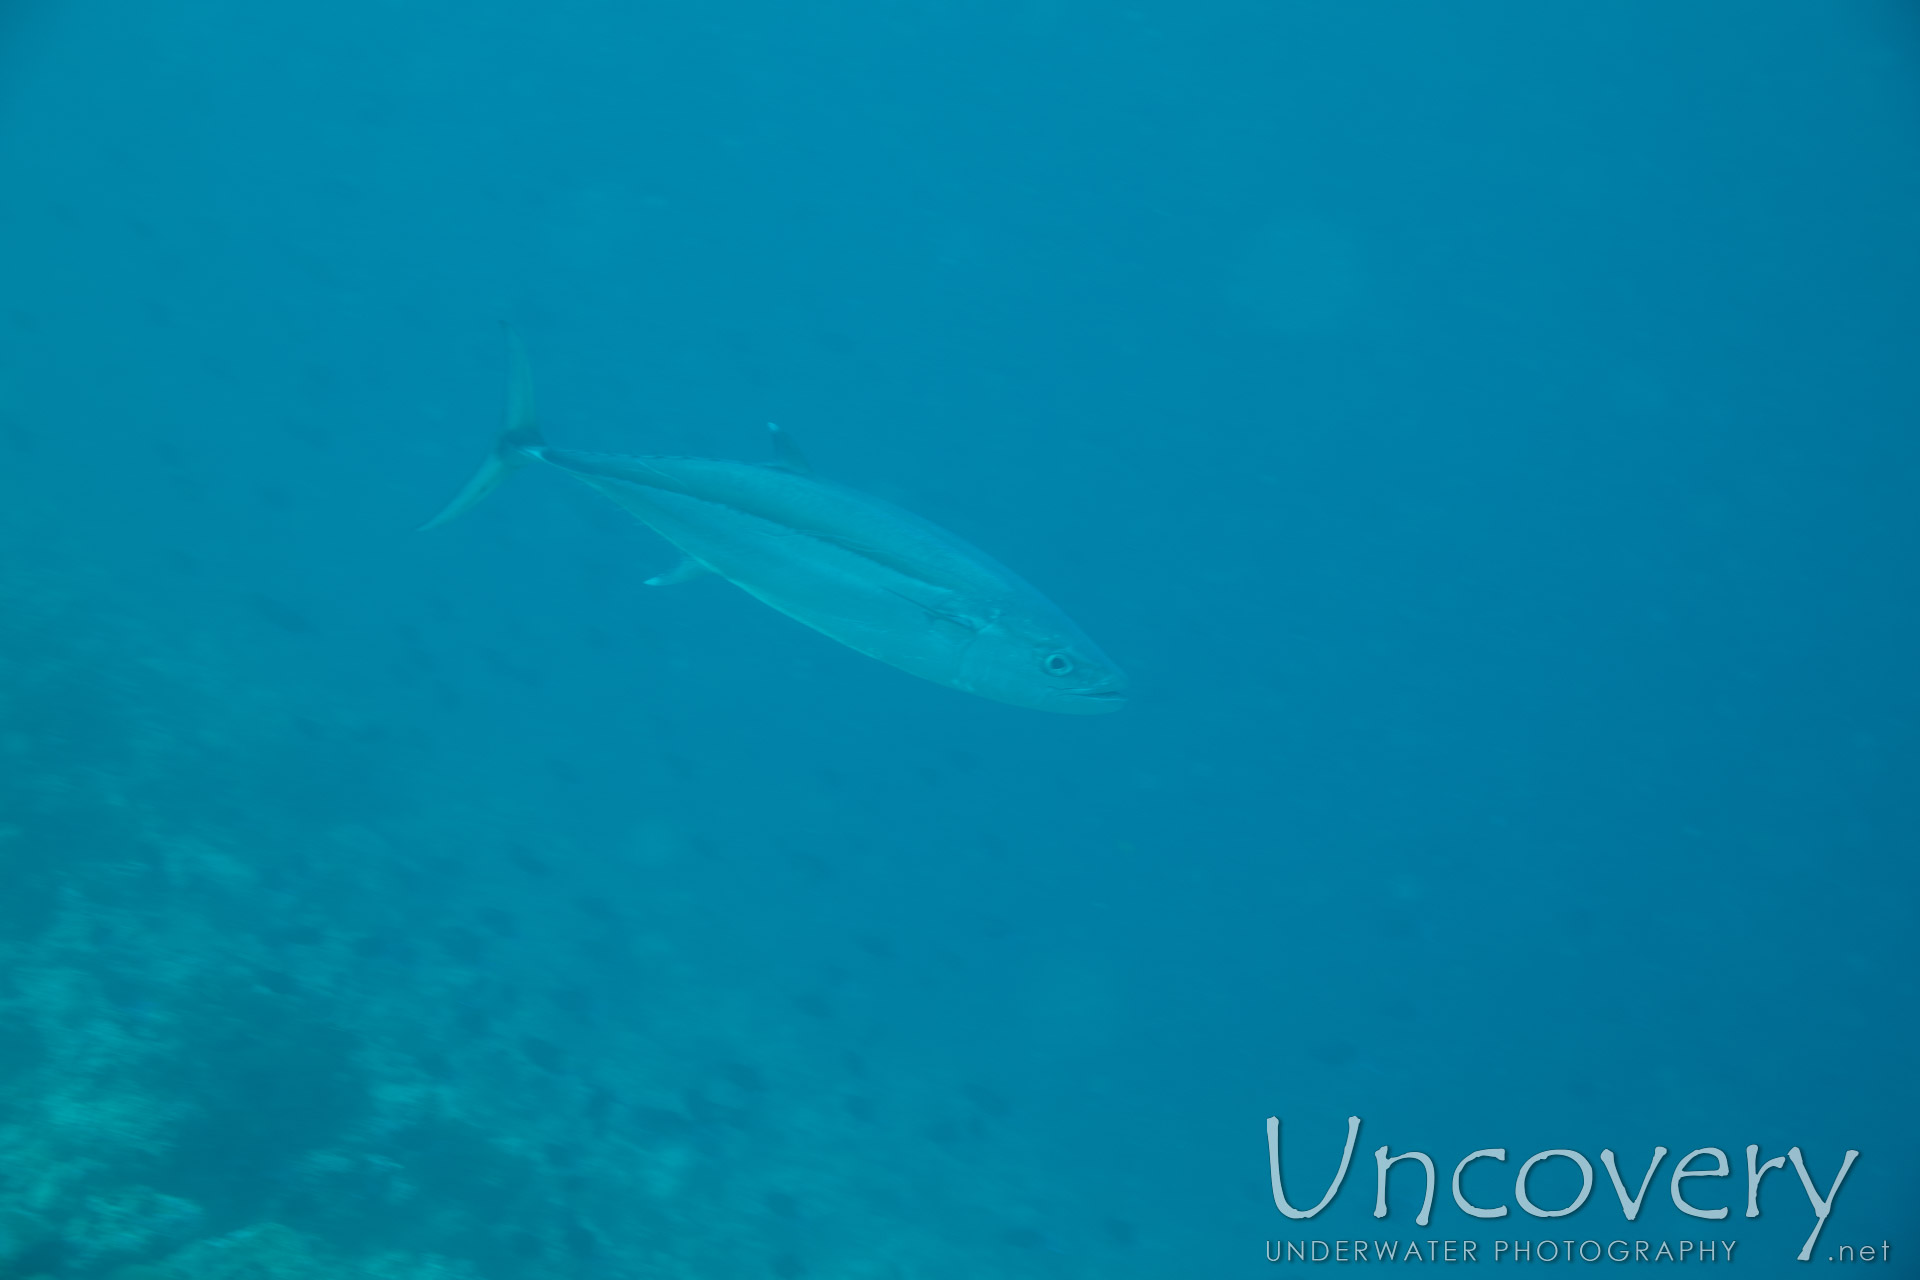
686,571
786,454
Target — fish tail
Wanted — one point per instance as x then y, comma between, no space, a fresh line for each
518,444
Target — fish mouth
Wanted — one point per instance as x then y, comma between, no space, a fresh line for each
1115,697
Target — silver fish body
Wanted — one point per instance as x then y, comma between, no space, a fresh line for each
878,579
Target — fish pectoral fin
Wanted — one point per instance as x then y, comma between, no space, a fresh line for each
686,571
949,611
786,454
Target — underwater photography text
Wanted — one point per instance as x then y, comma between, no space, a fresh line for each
1701,1162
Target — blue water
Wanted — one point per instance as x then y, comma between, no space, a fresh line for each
1485,432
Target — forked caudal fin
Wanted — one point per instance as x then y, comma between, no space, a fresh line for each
512,450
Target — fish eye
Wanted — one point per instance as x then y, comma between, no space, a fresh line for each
1058,664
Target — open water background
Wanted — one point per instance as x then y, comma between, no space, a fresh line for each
1486,432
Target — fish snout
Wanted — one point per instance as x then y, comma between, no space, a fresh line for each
1110,695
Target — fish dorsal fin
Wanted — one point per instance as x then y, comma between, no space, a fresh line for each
786,454
686,571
